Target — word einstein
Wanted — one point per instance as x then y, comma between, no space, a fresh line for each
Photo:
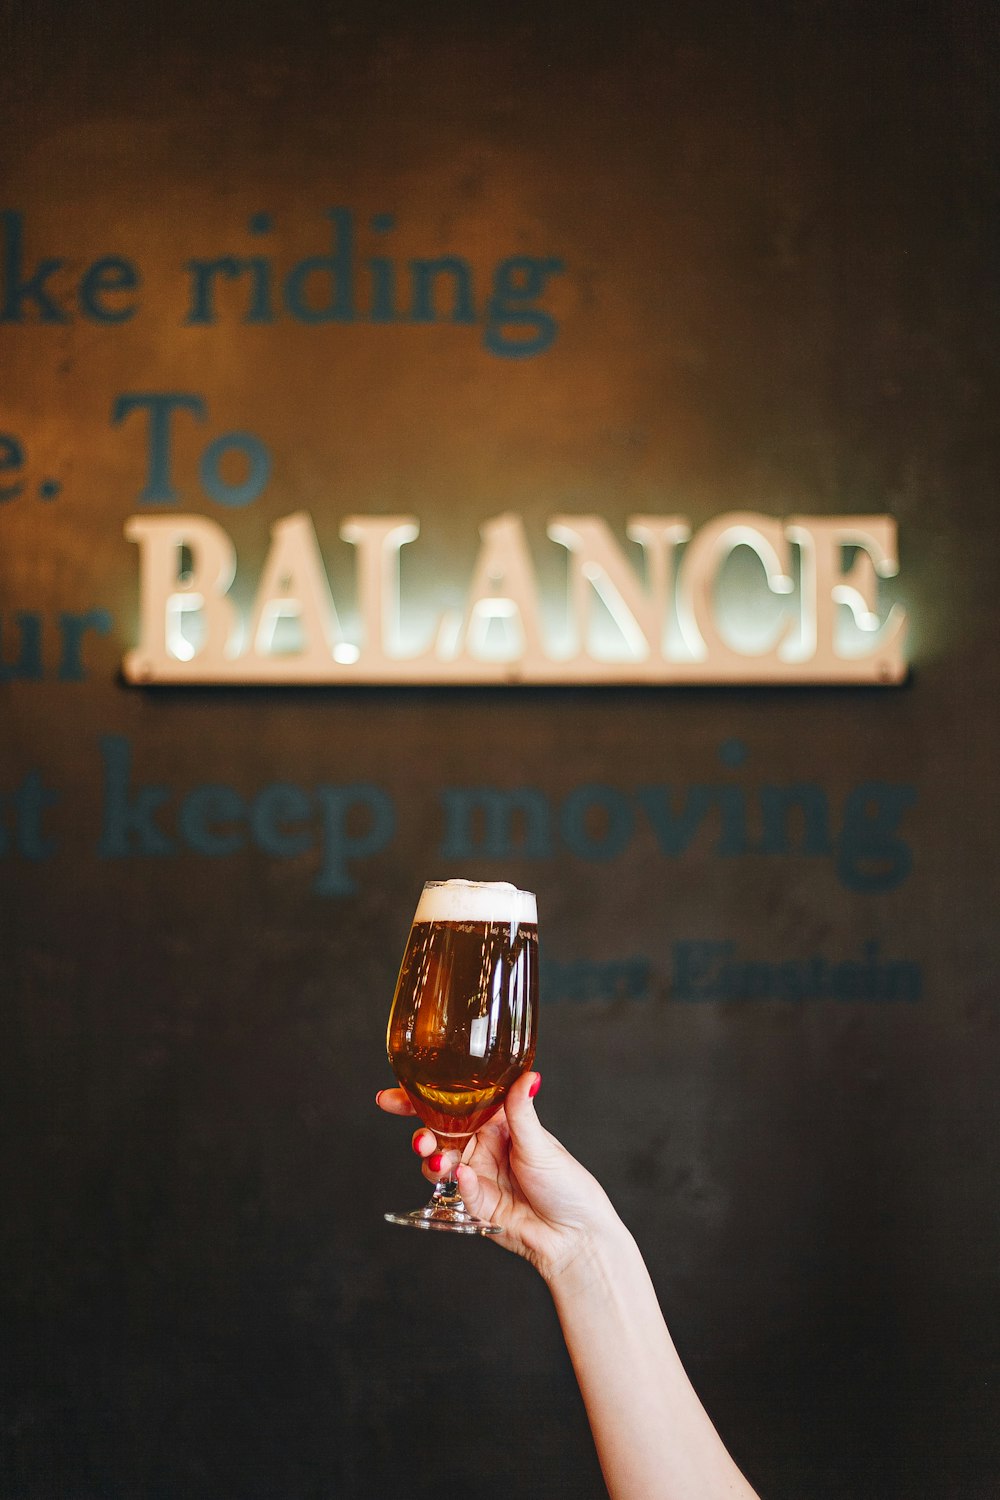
809,576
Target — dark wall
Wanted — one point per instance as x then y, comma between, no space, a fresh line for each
778,227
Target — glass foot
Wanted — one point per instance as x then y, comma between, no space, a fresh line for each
458,1221
446,1210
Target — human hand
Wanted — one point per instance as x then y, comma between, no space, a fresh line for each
519,1176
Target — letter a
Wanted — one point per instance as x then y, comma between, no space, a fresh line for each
503,590
294,585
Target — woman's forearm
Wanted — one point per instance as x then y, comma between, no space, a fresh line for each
653,1436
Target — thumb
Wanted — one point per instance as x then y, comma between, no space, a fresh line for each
473,1195
529,1136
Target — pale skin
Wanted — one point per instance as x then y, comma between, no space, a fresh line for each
654,1439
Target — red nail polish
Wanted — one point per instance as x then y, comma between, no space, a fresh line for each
416,1141
435,1161
535,1086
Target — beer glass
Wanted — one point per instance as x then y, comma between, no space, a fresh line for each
463,1021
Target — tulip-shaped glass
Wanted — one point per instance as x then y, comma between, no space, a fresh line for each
463,1022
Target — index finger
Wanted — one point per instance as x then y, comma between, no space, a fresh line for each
394,1102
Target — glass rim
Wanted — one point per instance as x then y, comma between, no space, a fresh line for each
479,885
475,901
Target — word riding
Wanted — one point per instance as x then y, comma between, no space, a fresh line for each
339,285
745,598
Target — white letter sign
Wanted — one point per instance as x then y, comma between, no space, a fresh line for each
665,621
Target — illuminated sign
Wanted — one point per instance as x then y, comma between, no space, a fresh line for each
746,598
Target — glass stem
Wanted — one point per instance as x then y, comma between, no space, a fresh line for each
446,1191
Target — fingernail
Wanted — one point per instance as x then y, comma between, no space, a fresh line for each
417,1139
435,1162
535,1086
379,1095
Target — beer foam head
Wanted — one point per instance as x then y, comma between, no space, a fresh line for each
475,901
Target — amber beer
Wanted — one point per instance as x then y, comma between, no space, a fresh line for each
464,1017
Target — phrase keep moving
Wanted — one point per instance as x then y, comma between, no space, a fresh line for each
334,829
